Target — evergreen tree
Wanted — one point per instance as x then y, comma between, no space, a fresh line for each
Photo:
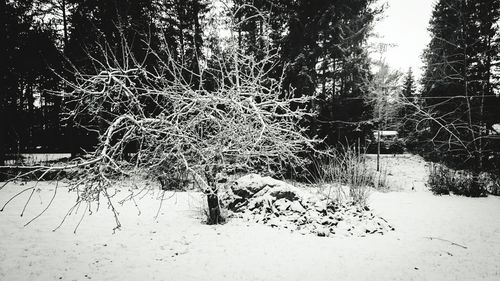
321,47
409,87
407,111
28,57
116,31
459,83
343,72
102,29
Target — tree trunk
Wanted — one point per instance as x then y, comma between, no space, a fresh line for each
74,140
214,213
3,139
65,23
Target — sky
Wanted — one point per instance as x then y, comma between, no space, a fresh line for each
405,24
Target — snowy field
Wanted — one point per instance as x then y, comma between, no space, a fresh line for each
436,238
401,171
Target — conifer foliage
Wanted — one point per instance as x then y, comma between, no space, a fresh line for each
323,54
407,110
460,84
319,46
28,56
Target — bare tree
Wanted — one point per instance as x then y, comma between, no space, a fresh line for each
177,124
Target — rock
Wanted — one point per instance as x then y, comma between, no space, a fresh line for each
371,227
284,193
254,183
338,216
242,192
320,206
342,225
327,221
312,216
297,207
275,222
292,217
279,204
304,231
322,233
261,202
282,204
301,220
247,186
272,209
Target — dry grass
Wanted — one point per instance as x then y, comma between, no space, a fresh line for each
347,167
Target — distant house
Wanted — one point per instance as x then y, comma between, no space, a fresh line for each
496,129
385,136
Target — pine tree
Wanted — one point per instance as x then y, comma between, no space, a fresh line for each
104,31
322,53
409,86
344,71
28,57
407,111
321,46
458,84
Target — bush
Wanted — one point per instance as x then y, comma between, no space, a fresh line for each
440,180
347,166
491,183
443,180
397,147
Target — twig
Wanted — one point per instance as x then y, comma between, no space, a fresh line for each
46,207
81,219
68,213
444,240
13,197
27,201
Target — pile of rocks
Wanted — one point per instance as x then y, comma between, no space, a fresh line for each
279,204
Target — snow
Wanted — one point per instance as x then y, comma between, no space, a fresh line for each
402,172
177,246
282,205
496,128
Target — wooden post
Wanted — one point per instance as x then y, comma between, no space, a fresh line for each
378,150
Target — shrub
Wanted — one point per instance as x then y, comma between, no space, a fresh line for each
347,166
443,180
491,182
397,146
440,180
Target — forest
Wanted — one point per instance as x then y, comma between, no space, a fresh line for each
47,43
320,52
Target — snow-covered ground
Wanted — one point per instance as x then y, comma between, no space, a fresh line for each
436,238
402,172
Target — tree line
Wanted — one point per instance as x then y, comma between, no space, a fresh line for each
319,45
461,86
320,50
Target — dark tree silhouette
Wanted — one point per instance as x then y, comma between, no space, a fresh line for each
459,81
29,59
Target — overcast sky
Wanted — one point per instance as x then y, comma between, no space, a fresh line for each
405,24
